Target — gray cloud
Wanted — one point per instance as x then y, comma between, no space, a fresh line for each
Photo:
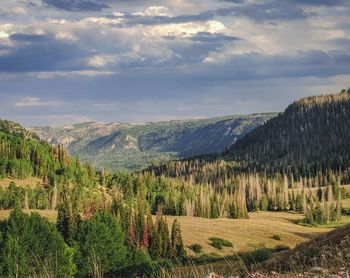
76,5
32,53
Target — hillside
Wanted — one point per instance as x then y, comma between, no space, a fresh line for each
311,134
16,129
325,256
275,165
22,154
121,146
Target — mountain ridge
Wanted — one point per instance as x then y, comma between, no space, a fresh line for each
125,146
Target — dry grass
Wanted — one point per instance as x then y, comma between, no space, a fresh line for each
346,203
31,182
346,187
50,214
248,234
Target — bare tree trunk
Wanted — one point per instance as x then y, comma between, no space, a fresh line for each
26,201
54,198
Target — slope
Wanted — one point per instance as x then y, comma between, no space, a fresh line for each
313,133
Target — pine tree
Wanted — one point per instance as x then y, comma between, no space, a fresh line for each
177,246
68,221
164,237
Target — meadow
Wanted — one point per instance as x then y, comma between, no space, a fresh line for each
246,235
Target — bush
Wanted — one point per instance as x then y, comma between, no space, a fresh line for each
32,247
276,237
196,248
219,243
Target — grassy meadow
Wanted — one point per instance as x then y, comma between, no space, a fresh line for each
31,182
246,235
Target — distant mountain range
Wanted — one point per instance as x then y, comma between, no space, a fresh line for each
121,146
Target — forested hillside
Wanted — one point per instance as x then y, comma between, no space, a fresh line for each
23,155
312,134
104,223
134,146
16,129
296,161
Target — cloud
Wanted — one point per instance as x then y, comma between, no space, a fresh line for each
19,11
153,11
43,52
30,37
207,57
76,5
35,102
4,35
99,61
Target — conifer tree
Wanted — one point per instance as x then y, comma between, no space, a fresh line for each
177,246
145,234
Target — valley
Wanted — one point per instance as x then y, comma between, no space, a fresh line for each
263,195
174,139
130,147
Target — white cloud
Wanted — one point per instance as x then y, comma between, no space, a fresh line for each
153,11
103,20
189,29
118,14
35,102
3,35
100,61
66,36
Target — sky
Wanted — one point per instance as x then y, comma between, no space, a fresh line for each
70,61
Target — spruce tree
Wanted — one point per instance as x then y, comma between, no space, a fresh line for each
177,246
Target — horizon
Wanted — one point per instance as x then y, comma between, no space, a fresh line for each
67,62
150,122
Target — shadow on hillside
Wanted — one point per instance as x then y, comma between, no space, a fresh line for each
309,236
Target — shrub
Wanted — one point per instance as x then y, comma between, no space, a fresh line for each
276,237
196,248
219,243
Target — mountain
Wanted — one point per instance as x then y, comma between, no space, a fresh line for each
134,146
312,133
